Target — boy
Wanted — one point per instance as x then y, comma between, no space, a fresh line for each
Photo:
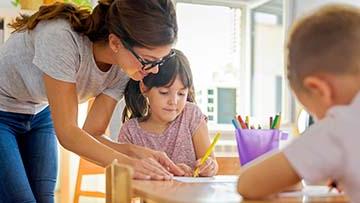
324,73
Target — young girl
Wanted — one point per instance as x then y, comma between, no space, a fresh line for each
160,114
324,73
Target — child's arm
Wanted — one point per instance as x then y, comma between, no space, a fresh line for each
264,177
201,142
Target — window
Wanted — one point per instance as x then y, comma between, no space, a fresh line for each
236,56
1,31
267,59
210,36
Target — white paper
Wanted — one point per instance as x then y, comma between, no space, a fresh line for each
312,191
214,179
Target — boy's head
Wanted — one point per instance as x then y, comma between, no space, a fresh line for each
324,58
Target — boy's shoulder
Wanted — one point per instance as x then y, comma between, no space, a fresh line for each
354,105
328,148
344,117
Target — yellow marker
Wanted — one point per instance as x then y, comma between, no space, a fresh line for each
207,153
278,123
247,121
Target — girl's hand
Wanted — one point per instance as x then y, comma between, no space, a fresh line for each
187,169
209,168
149,168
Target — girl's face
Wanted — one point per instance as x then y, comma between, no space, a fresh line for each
166,103
132,65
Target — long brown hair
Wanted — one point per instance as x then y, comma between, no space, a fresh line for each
144,23
136,103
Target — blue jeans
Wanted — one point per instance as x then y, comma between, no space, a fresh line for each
28,157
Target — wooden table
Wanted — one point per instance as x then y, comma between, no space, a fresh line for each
179,192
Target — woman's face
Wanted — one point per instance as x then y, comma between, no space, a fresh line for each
130,60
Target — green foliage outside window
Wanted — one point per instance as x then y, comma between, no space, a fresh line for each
83,3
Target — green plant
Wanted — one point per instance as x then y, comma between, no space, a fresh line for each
82,3
15,2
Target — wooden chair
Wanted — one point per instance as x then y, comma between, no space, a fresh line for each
87,168
228,165
118,183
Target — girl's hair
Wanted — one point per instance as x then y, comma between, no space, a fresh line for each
144,23
327,41
136,103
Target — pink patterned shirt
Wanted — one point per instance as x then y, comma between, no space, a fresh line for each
175,141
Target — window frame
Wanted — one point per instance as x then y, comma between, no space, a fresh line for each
289,107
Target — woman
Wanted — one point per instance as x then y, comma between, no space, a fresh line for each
63,55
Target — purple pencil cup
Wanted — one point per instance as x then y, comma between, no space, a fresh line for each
254,143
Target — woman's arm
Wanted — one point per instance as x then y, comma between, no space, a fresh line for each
63,103
97,121
201,142
266,176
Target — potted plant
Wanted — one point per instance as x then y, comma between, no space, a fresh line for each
82,3
35,4
27,4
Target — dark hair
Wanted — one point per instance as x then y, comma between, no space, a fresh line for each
136,104
326,41
144,23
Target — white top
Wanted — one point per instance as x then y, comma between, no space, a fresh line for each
60,52
329,149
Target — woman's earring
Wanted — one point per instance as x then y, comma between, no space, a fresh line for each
147,99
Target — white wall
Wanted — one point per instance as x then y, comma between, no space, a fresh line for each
6,4
303,6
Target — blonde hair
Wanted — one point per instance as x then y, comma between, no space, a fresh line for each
326,41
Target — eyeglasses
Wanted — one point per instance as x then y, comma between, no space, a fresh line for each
147,65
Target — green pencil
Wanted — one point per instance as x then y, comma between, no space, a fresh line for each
275,121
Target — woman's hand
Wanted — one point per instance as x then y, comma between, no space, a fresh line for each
209,168
161,157
187,169
149,168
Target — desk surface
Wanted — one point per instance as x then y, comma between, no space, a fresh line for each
180,192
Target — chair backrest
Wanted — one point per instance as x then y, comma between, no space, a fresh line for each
118,183
88,167
228,165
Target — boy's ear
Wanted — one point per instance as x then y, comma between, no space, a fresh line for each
143,87
320,89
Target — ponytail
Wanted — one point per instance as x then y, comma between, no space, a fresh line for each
80,18
144,23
